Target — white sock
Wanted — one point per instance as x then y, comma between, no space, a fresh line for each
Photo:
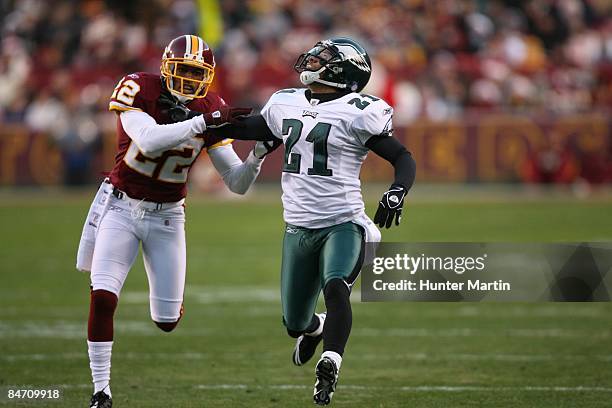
335,357
100,364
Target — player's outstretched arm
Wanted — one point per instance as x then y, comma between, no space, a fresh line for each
237,175
177,112
226,123
246,128
151,137
390,205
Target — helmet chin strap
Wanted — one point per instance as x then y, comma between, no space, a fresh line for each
309,77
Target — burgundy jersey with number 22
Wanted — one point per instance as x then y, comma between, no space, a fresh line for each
159,177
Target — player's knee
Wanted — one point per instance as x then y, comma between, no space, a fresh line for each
167,326
103,302
336,289
291,327
294,333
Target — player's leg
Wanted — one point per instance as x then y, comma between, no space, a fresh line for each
300,287
340,262
114,254
164,254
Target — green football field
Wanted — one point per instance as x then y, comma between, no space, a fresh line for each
231,349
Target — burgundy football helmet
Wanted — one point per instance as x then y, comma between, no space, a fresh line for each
188,67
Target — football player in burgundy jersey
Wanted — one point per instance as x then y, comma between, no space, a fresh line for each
142,200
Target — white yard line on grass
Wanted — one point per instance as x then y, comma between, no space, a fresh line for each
518,358
417,388
409,356
66,329
123,356
266,305
214,294
467,332
422,388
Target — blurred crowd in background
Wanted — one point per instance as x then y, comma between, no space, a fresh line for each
436,60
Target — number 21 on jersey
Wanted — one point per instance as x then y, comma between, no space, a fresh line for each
317,136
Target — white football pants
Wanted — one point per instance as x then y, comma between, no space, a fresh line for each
162,233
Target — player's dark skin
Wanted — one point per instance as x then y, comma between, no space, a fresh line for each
313,64
190,72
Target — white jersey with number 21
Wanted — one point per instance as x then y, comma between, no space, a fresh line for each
324,150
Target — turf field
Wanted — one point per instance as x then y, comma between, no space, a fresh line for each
231,350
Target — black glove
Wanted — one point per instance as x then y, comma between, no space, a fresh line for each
390,206
178,112
262,149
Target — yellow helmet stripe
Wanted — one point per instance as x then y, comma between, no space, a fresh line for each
194,44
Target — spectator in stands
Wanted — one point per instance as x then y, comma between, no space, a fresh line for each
435,60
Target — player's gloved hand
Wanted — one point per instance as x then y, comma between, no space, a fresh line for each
262,149
224,116
177,112
390,206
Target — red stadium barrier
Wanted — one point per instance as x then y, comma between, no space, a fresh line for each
491,147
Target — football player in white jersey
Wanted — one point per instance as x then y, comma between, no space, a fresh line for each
327,129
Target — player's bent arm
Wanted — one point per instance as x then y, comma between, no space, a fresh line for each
390,149
151,137
238,176
248,128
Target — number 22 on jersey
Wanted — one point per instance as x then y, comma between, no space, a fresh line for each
171,166
125,91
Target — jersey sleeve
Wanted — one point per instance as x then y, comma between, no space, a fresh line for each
127,95
376,119
270,113
212,141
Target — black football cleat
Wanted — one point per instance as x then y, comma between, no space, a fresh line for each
101,400
305,346
327,378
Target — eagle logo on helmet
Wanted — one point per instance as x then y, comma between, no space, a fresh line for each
344,64
353,56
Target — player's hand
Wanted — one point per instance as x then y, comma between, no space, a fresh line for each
176,111
224,116
262,149
166,99
390,206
